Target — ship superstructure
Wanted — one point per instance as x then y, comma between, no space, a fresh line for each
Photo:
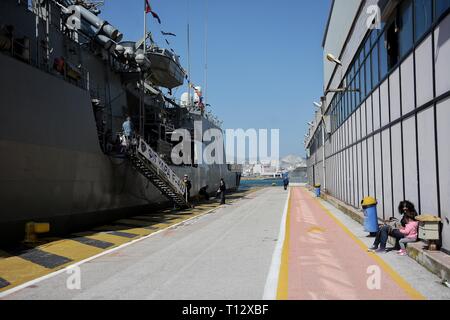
68,82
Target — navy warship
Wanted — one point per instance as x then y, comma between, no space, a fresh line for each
68,81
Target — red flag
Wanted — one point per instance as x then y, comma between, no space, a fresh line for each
148,9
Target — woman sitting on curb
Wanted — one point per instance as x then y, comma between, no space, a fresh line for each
405,234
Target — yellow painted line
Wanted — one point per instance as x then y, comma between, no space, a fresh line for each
138,231
71,249
413,293
117,241
17,271
283,278
137,223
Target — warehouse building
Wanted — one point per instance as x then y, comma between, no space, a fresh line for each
385,129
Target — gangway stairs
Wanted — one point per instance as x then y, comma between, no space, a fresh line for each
150,165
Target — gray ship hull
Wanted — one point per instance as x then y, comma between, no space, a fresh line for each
52,166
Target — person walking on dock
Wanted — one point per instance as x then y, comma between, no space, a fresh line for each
222,190
286,180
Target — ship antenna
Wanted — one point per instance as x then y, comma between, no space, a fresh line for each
206,52
189,53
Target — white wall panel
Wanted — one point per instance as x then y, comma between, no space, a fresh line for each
350,176
427,161
371,176
341,183
443,120
378,174
397,167
376,110
364,167
442,54
394,86
388,210
350,130
369,115
346,176
410,160
353,133
384,103
347,132
360,174
355,180
407,76
363,121
424,72
358,124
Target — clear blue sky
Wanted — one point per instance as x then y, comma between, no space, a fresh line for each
265,63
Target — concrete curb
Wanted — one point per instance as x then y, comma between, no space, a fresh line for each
436,262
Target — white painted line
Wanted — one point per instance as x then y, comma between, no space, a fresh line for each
53,274
271,288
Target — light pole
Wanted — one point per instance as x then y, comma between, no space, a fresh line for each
320,106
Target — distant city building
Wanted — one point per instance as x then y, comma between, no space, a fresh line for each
387,130
274,168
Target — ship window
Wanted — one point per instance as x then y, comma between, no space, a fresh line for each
441,6
405,25
423,17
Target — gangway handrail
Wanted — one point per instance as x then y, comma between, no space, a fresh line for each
163,169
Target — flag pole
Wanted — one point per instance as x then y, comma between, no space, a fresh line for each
145,27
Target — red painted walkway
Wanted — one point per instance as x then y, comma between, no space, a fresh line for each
323,260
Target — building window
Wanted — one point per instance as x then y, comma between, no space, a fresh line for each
405,28
375,71
357,86
368,76
383,57
392,46
440,7
423,17
363,81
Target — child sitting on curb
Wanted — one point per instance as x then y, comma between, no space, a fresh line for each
410,233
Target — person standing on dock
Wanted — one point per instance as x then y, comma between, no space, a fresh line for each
127,128
188,185
223,190
286,180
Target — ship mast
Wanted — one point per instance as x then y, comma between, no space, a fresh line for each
189,54
142,95
206,53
